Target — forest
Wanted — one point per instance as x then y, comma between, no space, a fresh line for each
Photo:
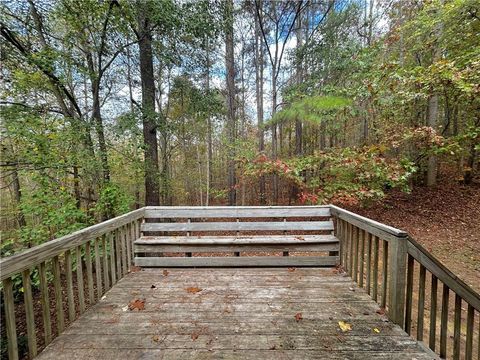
107,106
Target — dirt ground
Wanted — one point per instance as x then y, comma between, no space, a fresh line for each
445,219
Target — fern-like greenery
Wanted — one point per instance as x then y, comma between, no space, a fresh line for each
313,109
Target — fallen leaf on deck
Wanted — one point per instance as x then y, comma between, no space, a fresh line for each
165,272
194,336
376,330
298,317
156,338
135,269
193,290
345,326
381,311
291,269
136,305
299,238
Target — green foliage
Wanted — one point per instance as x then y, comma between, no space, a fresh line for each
57,211
314,109
113,201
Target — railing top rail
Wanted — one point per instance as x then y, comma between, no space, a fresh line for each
443,273
13,264
233,207
237,212
374,227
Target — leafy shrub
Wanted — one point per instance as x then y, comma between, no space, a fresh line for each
340,175
113,201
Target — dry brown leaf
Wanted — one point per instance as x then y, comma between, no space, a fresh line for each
193,290
194,336
135,269
291,269
156,338
298,317
381,311
165,272
136,305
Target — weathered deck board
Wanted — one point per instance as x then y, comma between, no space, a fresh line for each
238,314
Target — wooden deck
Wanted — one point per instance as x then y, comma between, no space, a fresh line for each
235,313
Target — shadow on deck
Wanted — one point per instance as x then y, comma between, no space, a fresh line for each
235,313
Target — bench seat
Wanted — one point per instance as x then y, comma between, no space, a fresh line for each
147,245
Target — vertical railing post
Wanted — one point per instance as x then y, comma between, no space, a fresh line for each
397,279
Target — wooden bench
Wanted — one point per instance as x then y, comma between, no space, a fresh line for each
218,236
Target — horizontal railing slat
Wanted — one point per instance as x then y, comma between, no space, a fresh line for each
236,212
239,226
31,257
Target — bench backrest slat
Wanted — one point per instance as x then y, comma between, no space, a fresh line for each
240,226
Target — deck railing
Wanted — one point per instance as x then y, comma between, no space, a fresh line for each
393,269
386,262
104,250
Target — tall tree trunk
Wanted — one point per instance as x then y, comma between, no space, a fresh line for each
76,187
230,67
209,129
152,191
432,117
17,194
299,78
275,70
259,60
100,130
432,122
97,115
132,109
274,134
298,122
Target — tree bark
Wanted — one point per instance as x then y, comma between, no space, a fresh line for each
152,191
231,133
209,129
274,134
432,117
259,60
17,193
